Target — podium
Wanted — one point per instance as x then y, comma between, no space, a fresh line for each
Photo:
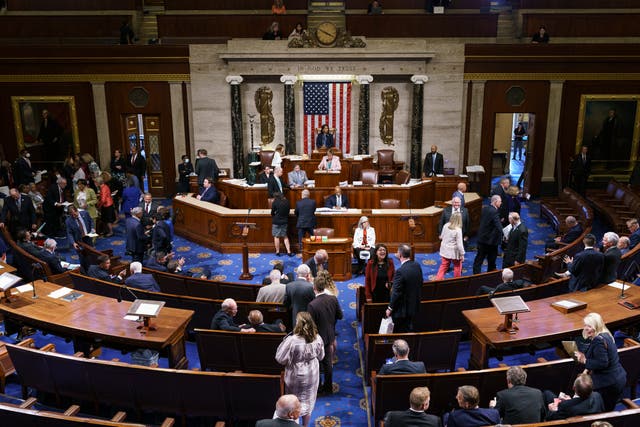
508,306
339,250
326,178
245,227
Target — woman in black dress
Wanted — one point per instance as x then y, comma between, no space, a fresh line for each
184,170
378,276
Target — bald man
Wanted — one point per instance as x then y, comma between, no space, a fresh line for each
287,412
433,163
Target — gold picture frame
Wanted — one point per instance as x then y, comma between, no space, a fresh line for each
27,119
609,140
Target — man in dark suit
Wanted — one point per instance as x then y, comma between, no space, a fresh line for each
23,172
433,163
587,401
456,207
508,284
102,270
574,230
585,268
580,170
141,280
136,241
53,207
306,216
325,311
23,240
49,256
469,414
337,200
137,166
265,175
18,212
149,206
320,261
516,250
416,415
209,192
489,235
402,364
500,189
612,257
634,229
79,224
223,319
206,167
299,293
287,413
160,235
519,404
405,292
256,321
276,184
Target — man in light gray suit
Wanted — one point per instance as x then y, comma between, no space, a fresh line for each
273,292
297,177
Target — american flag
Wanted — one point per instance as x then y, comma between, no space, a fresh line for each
330,104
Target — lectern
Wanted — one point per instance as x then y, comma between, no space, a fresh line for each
145,310
245,227
508,306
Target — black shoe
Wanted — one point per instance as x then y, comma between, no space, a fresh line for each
278,254
291,254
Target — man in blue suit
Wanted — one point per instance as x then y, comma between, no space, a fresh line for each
79,224
209,192
402,364
574,230
52,259
586,267
634,229
139,280
416,415
306,214
136,242
337,200
460,190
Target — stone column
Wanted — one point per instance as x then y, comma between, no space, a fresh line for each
417,110
177,122
363,113
102,124
553,128
289,113
475,121
237,142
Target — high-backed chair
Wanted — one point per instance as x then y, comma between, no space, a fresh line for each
223,198
324,231
266,158
402,177
389,204
386,164
369,176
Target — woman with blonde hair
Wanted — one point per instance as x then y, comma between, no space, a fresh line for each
329,284
277,156
300,353
451,247
601,361
364,239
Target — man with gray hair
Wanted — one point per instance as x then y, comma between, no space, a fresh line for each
612,257
299,293
306,214
287,412
320,261
518,403
136,240
489,235
141,280
508,284
400,364
49,256
516,250
223,319
53,207
273,292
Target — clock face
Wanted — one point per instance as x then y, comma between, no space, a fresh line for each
326,33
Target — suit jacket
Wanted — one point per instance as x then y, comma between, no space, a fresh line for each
152,263
610,266
184,170
331,201
516,250
578,406
23,172
161,237
280,211
586,270
51,198
271,293
130,198
142,281
297,178
325,311
634,238
206,167
580,168
74,233
325,140
136,241
490,230
24,217
139,167
604,363
411,418
446,216
402,367
574,232
306,213
297,296
521,405
272,186
428,168
210,194
311,263
267,327
459,194
406,290
335,164
30,248
276,422
53,261
222,321
504,207
472,417
96,272
153,208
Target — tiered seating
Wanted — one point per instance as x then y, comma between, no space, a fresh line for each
617,204
424,25
23,261
588,25
229,397
390,392
576,4
231,5
73,5
568,203
242,352
361,5
6,366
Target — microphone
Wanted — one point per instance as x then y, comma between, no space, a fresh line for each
36,266
128,290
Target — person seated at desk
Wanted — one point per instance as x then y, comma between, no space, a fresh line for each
297,177
157,262
177,267
209,192
140,280
23,240
330,162
574,230
223,319
337,200
400,363
325,138
469,414
102,270
256,321
364,239
415,416
52,259
265,175
585,401
508,284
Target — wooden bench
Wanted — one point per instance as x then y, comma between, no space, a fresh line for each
6,366
445,314
617,204
228,5
242,352
438,350
230,397
391,392
568,203
475,25
23,261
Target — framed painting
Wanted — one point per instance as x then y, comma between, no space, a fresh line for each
47,123
610,126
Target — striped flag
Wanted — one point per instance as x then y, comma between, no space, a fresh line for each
330,104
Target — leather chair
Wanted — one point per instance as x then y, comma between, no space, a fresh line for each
402,177
223,198
369,176
386,165
389,204
266,158
270,201
329,232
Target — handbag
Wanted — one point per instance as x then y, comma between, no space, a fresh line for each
386,326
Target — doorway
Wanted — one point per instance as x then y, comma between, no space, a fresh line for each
143,132
513,144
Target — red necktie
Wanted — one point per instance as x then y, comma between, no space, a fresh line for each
364,236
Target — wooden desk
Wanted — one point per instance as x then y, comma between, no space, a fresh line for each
350,171
445,186
6,268
326,179
544,323
92,317
340,253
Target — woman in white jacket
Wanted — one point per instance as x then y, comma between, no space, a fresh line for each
364,238
451,247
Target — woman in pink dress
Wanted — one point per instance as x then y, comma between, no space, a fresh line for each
451,247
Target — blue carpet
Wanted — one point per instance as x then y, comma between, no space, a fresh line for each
349,406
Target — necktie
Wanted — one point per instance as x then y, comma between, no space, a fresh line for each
61,194
19,204
584,159
364,236
133,160
83,230
146,207
434,162
279,184
339,201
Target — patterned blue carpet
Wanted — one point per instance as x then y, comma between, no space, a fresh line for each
349,405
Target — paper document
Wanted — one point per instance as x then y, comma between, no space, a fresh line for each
506,231
92,234
25,288
566,304
619,285
69,266
7,280
131,317
147,309
59,293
